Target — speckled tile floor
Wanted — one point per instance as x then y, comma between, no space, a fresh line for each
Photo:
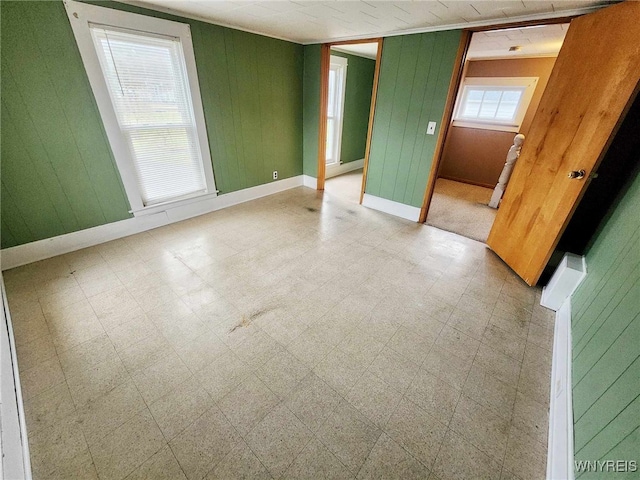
295,336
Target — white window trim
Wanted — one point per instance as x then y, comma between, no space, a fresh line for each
80,15
529,83
342,64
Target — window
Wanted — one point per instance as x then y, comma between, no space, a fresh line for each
142,72
335,108
494,103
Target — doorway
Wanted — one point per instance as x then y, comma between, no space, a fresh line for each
349,79
350,87
504,74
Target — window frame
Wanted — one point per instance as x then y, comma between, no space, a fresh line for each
499,83
340,64
81,15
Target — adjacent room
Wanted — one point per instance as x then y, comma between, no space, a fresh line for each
505,74
350,88
217,250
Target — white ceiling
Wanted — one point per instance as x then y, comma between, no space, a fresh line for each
543,40
366,50
310,21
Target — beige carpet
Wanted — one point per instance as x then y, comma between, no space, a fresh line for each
461,208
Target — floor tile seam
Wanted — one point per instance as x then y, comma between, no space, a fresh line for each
88,447
385,381
111,428
431,417
73,412
511,419
433,344
40,291
243,438
344,399
364,370
312,437
178,461
380,432
80,429
518,360
217,406
133,469
481,448
386,432
167,440
456,407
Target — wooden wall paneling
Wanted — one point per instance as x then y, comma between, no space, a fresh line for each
454,85
389,64
415,71
606,335
80,112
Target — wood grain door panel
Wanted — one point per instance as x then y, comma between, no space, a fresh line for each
594,81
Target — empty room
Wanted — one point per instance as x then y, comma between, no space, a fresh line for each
184,299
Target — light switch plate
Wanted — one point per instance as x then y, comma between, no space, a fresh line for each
431,128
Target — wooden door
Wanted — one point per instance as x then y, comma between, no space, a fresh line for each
594,80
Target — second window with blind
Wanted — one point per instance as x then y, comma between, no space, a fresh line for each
142,72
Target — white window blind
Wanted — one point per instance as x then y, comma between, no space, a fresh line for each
148,86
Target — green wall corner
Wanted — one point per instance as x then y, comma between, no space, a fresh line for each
311,115
415,73
606,340
58,171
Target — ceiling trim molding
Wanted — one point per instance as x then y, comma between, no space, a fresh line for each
512,57
338,48
468,25
190,16
392,33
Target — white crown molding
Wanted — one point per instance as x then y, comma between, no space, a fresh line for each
455,26
392,33
512,57
199,18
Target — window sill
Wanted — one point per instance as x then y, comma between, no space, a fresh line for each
168,205
486,126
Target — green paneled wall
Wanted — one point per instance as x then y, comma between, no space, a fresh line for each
606,340
414,78
311,114
357,105
58,173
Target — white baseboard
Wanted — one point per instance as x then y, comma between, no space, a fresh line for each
389,206
560,456
565,280
14,446
51,247
335,170
311,182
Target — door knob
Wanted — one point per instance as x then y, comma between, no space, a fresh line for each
578,174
